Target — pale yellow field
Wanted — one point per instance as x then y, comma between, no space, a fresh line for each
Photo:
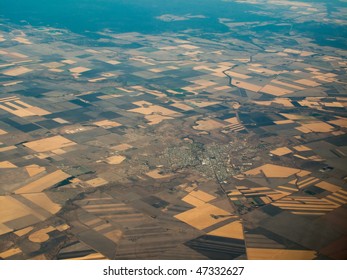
204,83
202,104
276,91
293,116
154,109
23,231
307,82
7,164
303,173
273,171
97,182
281,151
204,196
193,200
43,201
37,111
41,236
189,47
63,227
10,253
114,235
198,198
182,106
302,148
233,120
49,144
287,85
284,101
155,118
59,151
122,147
156,175
68,61
18,112
315,127
4,229
43,183
328,186
79,70
2,132
60,120
208,124
288,50
283,122
34,169
17,71
115,159
232,230
92,256
238,75
342,122
12,209
96,80
244,85
53,64
107,124
202,216
22,40
222,87
279,254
